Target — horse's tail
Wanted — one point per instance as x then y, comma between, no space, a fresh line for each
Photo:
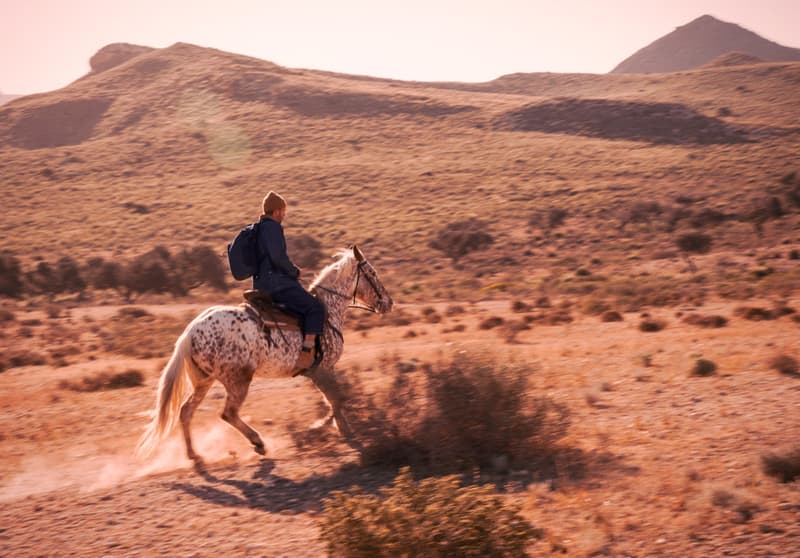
172,393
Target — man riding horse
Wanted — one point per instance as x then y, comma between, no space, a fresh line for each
279,277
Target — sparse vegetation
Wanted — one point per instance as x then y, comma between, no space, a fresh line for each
105,381
434,517
491,322
462,237
785,364
704,367
10,276
651,325
706,321
783,466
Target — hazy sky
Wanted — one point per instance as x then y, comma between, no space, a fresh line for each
45,44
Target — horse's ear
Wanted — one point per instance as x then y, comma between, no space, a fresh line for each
357,253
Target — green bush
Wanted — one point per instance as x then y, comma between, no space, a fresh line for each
432,518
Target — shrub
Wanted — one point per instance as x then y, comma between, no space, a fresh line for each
753,313
68,276
306,250
785,364
10,276
23,357
7,315
198,265
648,325
433,518
703,367
105,381
102,274
694,243
462,237
149,273
611,316
491,322
706,321
520,306
785,467
457,416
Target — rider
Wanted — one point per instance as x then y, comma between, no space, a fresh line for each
278,276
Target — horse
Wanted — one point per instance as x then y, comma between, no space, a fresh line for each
231,344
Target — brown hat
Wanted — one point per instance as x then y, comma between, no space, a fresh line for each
273,202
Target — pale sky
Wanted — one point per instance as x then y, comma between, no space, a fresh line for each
46,44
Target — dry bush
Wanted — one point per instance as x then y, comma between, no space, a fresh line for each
704,367
462,237
306,251
199,265
735,501
432,518
491,322
102,274
456,416
454,310
783,466
754,313
14,358
650,325
150,272
694,243
785,364
7,315
10,276
706,321
430,315
105,381
611,316
519,306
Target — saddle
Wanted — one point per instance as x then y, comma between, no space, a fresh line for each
273,315
270,312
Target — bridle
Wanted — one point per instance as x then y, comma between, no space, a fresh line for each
354,303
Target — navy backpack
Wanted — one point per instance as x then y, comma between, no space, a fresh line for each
243,253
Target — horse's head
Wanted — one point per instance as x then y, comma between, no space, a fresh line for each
369,290
352,277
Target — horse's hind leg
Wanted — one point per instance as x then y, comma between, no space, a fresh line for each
237,391
188,409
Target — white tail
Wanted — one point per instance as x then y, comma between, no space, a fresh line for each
172,393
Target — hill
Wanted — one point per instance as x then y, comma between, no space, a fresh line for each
4,97
177,146
699,42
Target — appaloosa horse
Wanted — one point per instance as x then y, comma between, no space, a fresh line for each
230,344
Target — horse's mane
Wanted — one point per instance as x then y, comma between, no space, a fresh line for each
345,260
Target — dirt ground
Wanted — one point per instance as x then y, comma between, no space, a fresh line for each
672,462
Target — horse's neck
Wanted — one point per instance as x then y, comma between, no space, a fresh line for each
336,295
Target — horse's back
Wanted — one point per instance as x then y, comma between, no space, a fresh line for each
231,338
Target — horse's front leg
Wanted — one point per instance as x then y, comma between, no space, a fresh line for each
237,392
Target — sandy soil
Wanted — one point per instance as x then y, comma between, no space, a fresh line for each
659,447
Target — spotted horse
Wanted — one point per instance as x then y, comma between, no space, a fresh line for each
230,344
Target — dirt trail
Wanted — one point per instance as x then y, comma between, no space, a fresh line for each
658,444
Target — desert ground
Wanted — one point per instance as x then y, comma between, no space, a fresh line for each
605,231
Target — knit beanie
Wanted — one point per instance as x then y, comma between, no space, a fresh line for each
273,202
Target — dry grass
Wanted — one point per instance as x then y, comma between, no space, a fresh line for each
104,381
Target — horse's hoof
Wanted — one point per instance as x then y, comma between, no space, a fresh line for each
259,449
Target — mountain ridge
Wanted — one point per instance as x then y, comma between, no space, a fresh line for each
699,42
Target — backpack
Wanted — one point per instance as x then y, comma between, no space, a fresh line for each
243,253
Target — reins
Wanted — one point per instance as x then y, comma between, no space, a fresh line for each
354,303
